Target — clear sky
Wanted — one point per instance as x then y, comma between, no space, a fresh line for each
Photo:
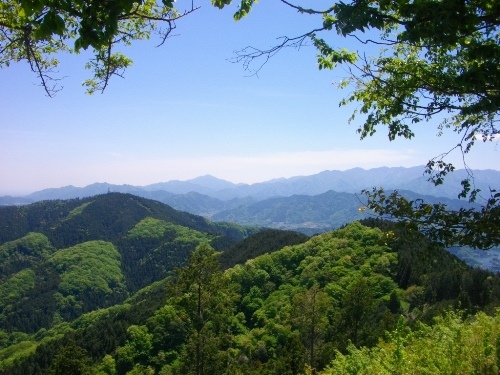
183,110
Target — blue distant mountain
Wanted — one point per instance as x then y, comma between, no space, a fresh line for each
311,204
349,181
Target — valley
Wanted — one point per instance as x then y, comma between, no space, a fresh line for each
120,284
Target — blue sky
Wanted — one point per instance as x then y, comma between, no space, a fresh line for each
183,110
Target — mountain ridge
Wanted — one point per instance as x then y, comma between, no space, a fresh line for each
309,204
348,181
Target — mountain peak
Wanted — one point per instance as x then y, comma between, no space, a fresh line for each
211,182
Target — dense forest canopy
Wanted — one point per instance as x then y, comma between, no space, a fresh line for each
61,259
362,297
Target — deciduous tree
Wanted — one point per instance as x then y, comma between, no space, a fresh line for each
72,359
439,61
36,30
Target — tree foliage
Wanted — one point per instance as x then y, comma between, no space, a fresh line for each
438,61
453,345
473,227
62,259
36,30
88,267
334,297
310,310
71,360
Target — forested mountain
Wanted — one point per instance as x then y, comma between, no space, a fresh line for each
267,241
200,204
311,214
308,214
304,306
310,204
59,259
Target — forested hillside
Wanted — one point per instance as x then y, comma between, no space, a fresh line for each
283,312
312,214
105,217
60,259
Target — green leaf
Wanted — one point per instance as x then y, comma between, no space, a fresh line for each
60,27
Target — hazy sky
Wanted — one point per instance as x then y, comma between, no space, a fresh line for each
183,110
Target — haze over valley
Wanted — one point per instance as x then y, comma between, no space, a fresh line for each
314,203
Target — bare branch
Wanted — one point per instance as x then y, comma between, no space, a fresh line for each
248,54
371,41
309,11
36,67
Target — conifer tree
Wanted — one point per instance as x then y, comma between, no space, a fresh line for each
202,291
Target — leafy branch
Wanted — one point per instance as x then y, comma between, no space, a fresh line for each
473,227
35,30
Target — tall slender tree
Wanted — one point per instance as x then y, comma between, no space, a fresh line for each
310,310
202,290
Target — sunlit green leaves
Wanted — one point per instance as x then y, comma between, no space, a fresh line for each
16,286
329,21
33,30
34,245
329,57
89,267
451,346
245,7
465,227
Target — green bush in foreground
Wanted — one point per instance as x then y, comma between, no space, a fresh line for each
451,346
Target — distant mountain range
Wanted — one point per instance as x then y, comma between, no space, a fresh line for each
310,204
349,181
